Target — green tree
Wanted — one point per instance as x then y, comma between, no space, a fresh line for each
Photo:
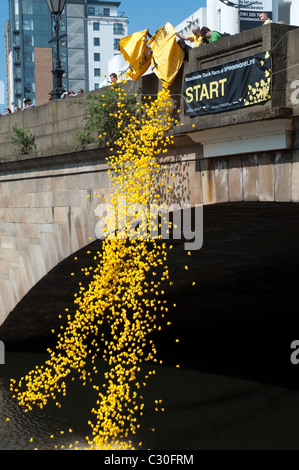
107,114
23,139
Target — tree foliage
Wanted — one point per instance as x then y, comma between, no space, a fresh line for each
102,114
23,139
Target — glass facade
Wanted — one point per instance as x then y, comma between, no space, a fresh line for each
91,27
30,27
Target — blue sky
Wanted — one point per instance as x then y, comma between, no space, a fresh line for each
142,15
156,13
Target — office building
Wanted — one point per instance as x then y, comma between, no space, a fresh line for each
93,29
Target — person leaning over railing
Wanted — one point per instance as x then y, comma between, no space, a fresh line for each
210,35
195,37
185,48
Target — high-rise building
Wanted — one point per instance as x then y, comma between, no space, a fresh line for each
93,29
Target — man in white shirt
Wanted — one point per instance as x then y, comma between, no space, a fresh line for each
264,18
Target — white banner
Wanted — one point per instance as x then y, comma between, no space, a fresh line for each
250,12
258,6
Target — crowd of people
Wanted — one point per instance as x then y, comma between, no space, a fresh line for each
27,102
202,36
199,37
71,93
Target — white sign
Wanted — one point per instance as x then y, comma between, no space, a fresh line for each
250,12
259,6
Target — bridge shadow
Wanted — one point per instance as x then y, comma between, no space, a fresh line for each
239,318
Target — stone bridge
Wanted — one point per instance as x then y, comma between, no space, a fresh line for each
48,199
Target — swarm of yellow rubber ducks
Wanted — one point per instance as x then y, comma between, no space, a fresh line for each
124,303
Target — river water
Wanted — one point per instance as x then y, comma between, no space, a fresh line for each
202,412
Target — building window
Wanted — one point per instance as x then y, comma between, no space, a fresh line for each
96,86
28,39
17,11
27,7
96,57
27,24
18,88
284,11
18,72
96,26
29,87
97,72
16,41
91,11
29,56
118,28
96,41
116,45
17,56
106,11
29,70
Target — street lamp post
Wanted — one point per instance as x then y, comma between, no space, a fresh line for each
56,8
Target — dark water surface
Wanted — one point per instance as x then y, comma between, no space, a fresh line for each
236,388
202,412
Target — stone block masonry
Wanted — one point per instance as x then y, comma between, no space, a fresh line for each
48,199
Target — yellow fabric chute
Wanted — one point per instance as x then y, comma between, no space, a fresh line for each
167,55
137,53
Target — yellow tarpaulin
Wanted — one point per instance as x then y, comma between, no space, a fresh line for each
167,54
137,53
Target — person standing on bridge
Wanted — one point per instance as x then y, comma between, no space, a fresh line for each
264,18
49,99
113,79
211,36
27,103
195,37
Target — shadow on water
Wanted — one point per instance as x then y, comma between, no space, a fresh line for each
236,387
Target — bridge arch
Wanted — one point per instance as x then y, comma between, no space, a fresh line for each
240,317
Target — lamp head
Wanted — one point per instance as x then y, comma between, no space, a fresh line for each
56,6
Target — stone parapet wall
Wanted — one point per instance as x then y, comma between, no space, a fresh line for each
48,214
54,125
